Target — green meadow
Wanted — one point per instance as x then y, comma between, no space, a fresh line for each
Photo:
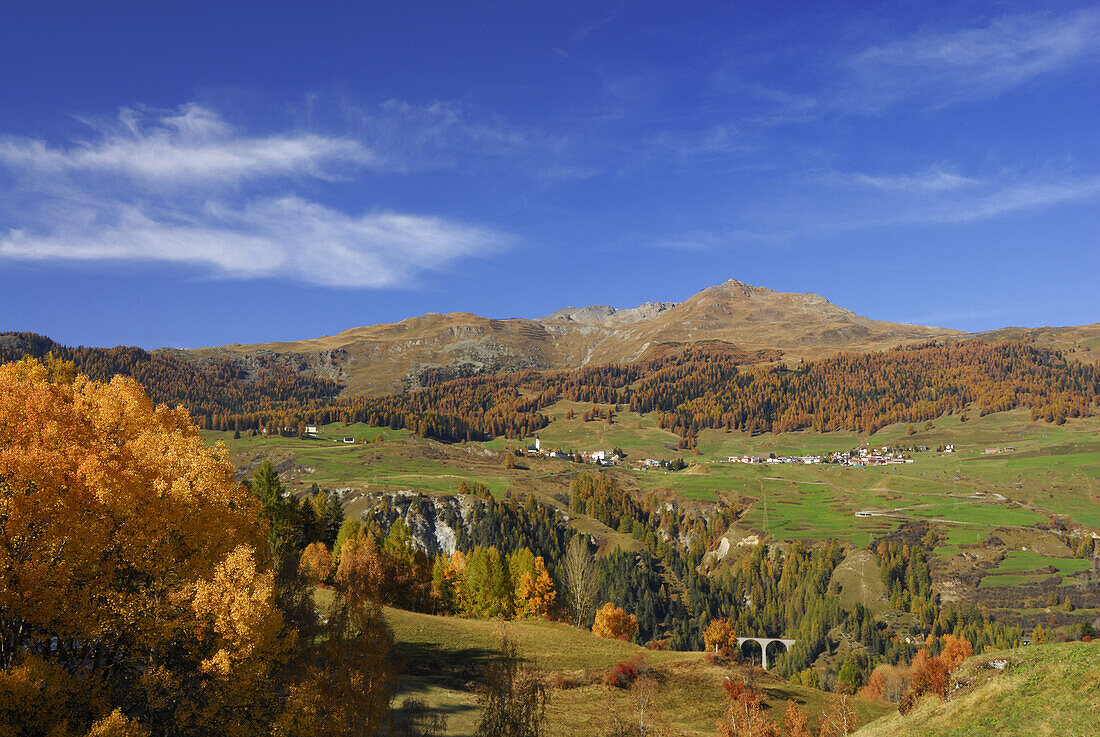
1020,567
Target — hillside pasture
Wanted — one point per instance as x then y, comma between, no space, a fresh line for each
1040,690
444,656
1022,567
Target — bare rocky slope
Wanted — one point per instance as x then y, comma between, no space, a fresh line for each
390,357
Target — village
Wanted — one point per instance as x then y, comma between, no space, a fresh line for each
857,457
880,456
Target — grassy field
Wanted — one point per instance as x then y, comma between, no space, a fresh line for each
444,655
636,433
1022,567
1044,690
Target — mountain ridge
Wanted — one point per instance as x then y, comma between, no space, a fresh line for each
388,357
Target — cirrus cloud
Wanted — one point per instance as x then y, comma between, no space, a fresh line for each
940,67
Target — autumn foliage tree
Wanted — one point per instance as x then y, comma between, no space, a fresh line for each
614,623
745,716
315,563
839,719
138,590
535,593
887,682
955,651
720,638
124,537
929,676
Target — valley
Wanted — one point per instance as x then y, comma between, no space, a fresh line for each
886,499
1024,500
1005,529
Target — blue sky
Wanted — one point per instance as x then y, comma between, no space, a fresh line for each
243,172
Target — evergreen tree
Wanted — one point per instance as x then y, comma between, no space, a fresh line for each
334,519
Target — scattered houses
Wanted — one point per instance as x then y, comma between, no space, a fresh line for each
859,457
597,457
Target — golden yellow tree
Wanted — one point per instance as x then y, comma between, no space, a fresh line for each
720,638
134,573
536,591
614,623
315,563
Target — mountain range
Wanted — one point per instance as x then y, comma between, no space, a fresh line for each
393,356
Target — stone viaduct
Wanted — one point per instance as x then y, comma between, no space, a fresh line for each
763,642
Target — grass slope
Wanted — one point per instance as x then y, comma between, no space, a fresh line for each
444,655
1043,690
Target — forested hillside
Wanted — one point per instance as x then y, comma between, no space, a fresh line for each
711,386
691,387
208,389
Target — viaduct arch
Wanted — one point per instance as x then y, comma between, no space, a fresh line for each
763,642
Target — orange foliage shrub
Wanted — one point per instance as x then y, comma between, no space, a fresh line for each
933,675
930,676
744,715
622,675
888,682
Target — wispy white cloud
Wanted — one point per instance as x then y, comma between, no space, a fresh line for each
284,237
969,316
188,146
712,240
685,145
187,188
932,180
841,202
940,67
939,197
445,134
1008,198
